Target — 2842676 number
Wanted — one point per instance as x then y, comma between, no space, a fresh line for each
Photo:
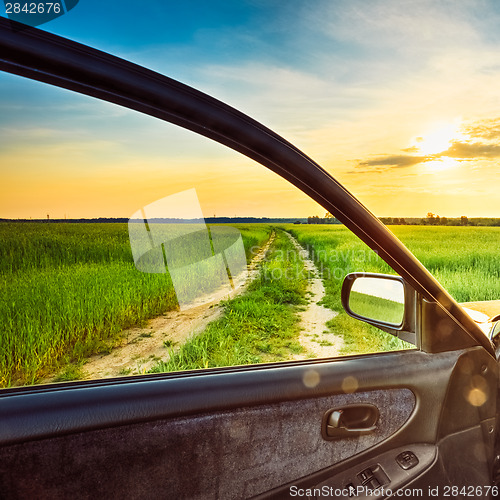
470,491
33,8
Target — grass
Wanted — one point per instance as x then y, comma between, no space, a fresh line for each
463,259
70,372
336,252
377,308
69,290
260,325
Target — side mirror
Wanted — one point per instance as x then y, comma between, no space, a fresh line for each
382,300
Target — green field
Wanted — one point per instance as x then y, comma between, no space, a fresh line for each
376,308
68,290
464,259
258,326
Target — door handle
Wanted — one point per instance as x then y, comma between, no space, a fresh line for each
350,420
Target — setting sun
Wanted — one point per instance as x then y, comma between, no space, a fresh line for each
441,164
438,138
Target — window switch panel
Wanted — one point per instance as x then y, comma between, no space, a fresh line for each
407,460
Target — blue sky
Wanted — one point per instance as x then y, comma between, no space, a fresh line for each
398,100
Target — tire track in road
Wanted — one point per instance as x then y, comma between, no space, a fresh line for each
315,337
142,347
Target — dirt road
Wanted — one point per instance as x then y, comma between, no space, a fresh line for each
315,337
142,348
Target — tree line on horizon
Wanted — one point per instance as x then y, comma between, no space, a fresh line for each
430,220
435,220
327,219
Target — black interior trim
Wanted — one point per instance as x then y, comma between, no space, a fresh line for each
33,413
244,450
394,475
471,429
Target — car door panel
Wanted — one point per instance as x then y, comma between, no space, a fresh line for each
238,432
211,455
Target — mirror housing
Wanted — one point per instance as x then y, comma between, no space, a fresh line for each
381,300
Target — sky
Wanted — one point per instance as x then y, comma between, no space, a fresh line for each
398,100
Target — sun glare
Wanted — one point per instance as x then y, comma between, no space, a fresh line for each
441,164
437,138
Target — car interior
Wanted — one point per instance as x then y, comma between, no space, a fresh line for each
419,420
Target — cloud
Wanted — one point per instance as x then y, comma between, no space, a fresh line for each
483,149
458,150
485,129
466,150
395,161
